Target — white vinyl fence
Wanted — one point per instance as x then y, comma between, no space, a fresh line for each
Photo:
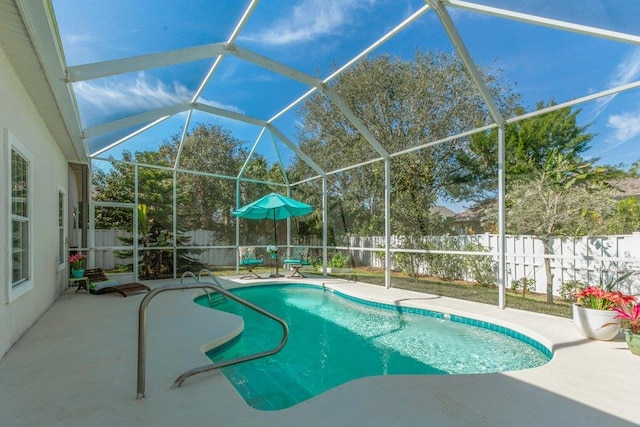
588,259
592,259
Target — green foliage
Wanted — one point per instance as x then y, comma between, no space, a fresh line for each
564,196
338,261
481,268
571,287
157,263
446,266
202,202
609,282
529,144
316,262
404,104
380,254
626,217
409,262
523,284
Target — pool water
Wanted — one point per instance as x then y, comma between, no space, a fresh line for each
334,339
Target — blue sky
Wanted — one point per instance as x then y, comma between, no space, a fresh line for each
314,36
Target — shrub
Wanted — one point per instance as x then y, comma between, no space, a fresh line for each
524,284
408,262
446,266
316,262
570,288
481,268
338,261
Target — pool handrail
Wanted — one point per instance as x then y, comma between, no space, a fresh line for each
217,287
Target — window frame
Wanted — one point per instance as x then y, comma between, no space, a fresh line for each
15,290
62,229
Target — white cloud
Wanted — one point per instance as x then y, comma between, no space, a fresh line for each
309,20
625,126
133,95
141,93
626,72
77,39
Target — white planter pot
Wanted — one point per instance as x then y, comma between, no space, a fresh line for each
596,324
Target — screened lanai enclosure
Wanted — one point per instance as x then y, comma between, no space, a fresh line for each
490,141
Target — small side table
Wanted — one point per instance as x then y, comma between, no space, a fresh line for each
81,282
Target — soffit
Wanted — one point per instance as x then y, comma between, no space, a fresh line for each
17,44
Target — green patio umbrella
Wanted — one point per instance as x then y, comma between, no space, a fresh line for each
276,207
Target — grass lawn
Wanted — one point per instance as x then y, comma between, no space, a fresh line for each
453,289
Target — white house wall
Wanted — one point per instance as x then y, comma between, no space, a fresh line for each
20,119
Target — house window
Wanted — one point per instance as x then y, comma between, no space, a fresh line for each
20,219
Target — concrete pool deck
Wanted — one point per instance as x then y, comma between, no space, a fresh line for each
77,366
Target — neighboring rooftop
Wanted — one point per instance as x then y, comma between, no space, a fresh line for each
630,187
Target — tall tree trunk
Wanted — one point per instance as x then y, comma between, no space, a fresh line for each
548,250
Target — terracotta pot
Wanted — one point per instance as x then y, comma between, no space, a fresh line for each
633,341
596,324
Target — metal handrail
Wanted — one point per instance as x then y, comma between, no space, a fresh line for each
197,279
216,286
204,270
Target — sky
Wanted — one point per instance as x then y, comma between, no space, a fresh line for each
318,36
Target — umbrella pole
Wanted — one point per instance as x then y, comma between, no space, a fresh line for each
275,241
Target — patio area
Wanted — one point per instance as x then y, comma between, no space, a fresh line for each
76,366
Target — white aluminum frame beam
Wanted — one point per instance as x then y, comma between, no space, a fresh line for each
149,116
128,137
545,22
305,158
466,58
232,38
494,111
228,114
114,67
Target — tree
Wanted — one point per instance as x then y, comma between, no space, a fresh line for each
404,104
625,218
155,211
562,197
550,188
202,201
206,201
528,144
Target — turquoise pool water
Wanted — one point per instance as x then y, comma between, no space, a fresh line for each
335,338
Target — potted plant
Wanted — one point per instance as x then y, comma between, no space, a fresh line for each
273,251
629,316
594,314
338,264
76,262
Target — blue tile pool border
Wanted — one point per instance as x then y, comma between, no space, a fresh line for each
424,312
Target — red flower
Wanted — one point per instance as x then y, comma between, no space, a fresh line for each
599,299
77,261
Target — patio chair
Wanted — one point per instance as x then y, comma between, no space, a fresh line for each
249,261
100,284
298,260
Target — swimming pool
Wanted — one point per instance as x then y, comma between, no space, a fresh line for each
335,338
